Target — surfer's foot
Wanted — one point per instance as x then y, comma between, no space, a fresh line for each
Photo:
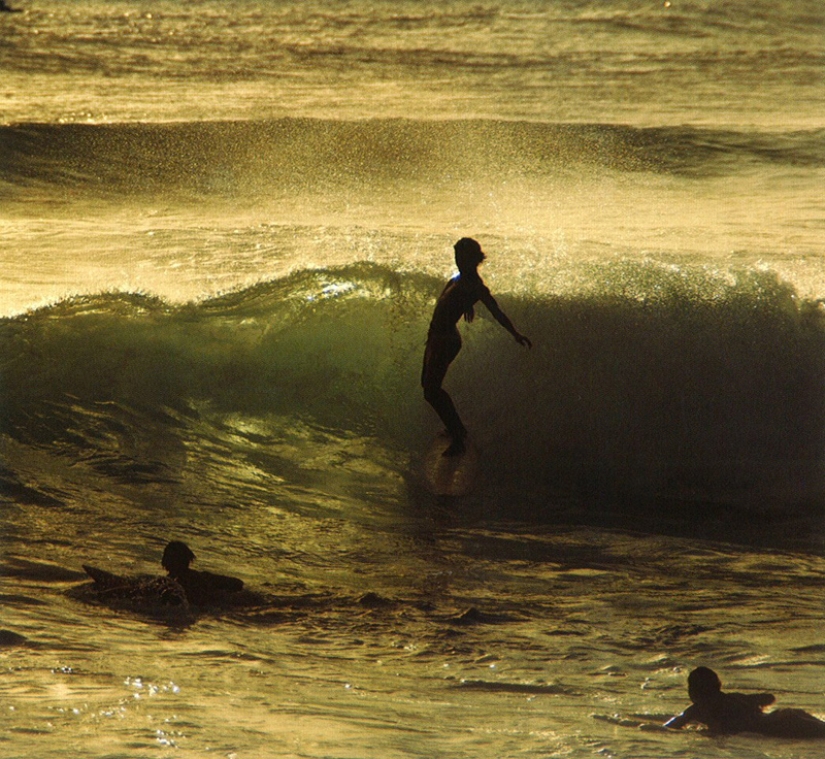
456,448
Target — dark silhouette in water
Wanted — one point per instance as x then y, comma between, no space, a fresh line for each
728,713
135,592
182,586
9,639
201,588
444,340
4,8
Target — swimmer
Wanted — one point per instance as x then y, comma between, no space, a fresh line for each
728,713
444,341
201,588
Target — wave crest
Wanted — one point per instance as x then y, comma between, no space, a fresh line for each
657,378
232,158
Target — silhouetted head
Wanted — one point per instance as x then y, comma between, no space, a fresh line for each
468,254
177,556
703,683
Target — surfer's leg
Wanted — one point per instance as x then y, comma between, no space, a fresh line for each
437,358
791,723
440,400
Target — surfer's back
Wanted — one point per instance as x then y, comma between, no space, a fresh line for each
459,296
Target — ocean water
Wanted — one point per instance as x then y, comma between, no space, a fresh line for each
223,227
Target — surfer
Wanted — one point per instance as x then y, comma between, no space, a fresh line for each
728,713
443,338
181,586
200,587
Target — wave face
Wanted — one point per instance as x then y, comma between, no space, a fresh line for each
688,383
296,155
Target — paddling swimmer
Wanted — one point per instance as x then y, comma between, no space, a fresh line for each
444,341
728,713
200,587
180,587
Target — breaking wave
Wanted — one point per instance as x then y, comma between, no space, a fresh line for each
654,380
239,158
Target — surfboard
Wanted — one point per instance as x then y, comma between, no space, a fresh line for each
450,475
104,579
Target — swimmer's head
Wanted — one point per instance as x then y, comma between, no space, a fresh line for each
468,254
177,556
703,683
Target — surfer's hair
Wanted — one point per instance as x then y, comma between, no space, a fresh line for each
703,682
468,254
177,556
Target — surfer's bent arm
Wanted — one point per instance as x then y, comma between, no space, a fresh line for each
761,700
492,306
680,720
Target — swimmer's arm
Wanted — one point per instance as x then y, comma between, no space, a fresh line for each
761,699
680,720
492,306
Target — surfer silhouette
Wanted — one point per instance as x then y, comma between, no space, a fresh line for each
180,587
462,292
200,587
729,713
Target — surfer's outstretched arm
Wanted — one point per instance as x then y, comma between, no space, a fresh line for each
680,720
492,306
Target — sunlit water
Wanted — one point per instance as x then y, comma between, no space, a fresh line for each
222,230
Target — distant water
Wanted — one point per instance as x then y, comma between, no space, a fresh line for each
223,227
755,63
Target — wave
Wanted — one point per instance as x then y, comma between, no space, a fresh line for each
230,158
654,380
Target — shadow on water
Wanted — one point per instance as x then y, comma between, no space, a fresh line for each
785,527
